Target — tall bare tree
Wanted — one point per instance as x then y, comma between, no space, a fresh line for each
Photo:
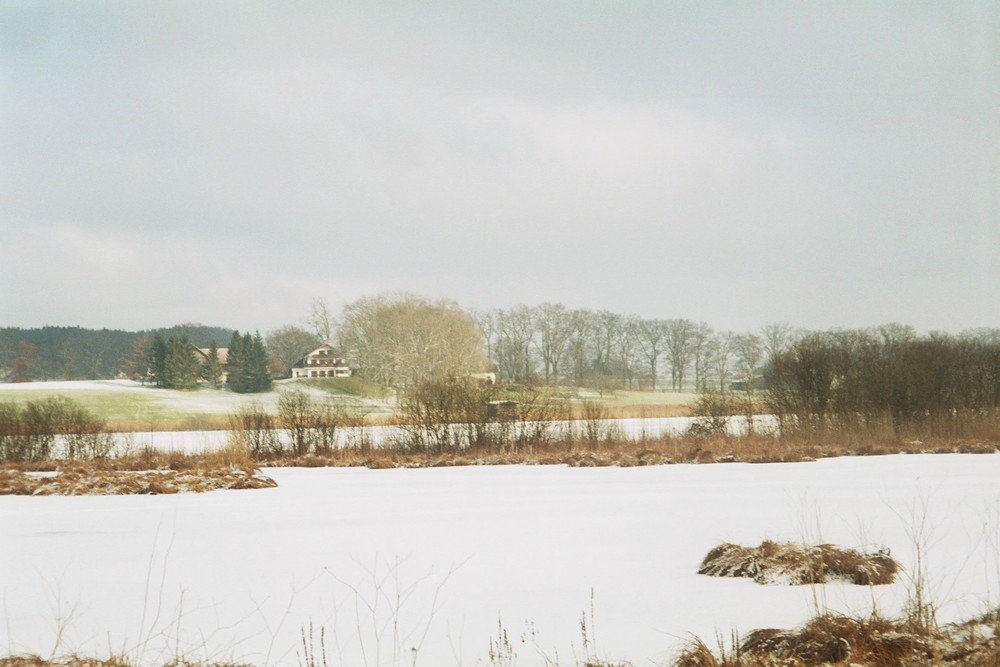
679,337
320,320
513,349
581,332
776,338
606,328
553,329
651,337
701,355
748,349
721,354
627,349
487,321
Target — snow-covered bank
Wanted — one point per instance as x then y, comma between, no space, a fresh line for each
239,573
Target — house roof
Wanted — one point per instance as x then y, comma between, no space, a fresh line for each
330,355
223,353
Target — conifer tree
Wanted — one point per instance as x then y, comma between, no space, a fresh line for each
181,366
247,362
256,373
211,370
235,360
158,359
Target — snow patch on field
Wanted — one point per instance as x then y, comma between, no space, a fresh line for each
201,401
238,574
72,385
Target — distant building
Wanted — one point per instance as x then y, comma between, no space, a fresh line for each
322,362
202,354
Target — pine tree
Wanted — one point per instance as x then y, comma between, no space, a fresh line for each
255,371
181,364
235,361
247,362
158,359
211,370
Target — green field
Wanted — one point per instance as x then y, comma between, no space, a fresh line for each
130,406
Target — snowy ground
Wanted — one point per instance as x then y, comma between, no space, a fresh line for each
239,573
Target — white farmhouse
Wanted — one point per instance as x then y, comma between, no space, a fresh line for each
321,363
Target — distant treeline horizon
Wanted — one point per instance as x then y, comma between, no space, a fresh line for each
77,353
547,343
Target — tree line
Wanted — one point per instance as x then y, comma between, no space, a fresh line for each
174,362
552,344
890,376
399,339
76,353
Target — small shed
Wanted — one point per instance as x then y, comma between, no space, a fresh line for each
501,410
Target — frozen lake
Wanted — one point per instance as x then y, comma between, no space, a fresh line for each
633,429
391,560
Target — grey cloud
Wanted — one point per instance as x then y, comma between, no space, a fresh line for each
821,164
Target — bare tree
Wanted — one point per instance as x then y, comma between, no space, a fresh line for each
720,353
606,328
400,339
776,338
320,321
679,337
22,368
626,348
895,333
488,324
513,349
701,354
289,344
581,332
749,352
651,337
553,329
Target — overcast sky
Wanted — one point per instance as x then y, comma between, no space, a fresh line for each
824,164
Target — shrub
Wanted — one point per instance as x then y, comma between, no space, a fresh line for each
310,425
32,433
252,428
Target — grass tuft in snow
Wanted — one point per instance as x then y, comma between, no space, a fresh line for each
786,563
831,639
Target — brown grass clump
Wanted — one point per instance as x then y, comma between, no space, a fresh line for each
83,480
113,661
841,640
792,564
65,661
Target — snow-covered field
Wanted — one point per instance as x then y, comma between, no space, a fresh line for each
391,560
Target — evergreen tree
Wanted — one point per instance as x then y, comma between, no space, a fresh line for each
158,359
211,370
257,372
248,371
235,362
181,364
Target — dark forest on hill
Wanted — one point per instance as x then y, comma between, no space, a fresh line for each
75,353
